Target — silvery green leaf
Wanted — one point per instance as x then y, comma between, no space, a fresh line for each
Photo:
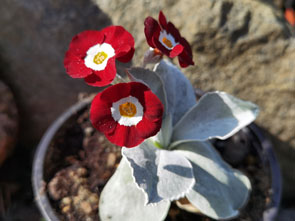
219,191
151,79
162,174
179,91
121,199
217,114
163,137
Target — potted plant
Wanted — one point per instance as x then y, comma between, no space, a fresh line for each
166,136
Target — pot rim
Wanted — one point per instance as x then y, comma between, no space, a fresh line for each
266,149
269,157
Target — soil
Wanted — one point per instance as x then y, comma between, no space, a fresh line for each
81,160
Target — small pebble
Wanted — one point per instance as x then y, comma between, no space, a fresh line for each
111,160
66,201
86,207
100,139
66,209
93,199
82,171
88,131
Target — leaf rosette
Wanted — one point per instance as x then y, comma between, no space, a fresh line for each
179,161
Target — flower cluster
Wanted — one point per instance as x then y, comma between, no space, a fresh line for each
126,113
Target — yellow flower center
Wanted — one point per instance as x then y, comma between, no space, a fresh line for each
167,42
100,57
127,109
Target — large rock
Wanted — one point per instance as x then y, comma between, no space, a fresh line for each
34,36
243,47
8,122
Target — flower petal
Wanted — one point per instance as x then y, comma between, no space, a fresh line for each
147,127
162,174
162,20
121,198
220,191
125,136
126,54
151,28
84,40
75,66
121,40
185,58
173,31
104,77
101,116
176,51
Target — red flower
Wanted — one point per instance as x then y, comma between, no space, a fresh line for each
92,54
127,113
167,39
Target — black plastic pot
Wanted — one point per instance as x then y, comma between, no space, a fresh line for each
263,147
39,186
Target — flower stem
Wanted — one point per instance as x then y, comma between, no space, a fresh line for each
158,145
118,79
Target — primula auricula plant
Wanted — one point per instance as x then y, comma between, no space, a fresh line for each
163,131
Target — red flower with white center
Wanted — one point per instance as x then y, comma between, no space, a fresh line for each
165,38
127,113
92,54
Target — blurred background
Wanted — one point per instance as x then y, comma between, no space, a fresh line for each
244,47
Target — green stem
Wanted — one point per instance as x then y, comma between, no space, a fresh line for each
118,79
158,145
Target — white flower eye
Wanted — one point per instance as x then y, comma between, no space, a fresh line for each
167,40
98,55
127,111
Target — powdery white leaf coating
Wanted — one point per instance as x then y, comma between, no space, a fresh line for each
179,91
220,191
217,114
121,199
163,137
162,174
